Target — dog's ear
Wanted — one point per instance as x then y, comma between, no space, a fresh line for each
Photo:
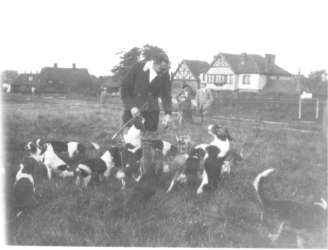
39,142
228,134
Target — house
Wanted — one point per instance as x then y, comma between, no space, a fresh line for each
243,72
188,71
25,82
55,79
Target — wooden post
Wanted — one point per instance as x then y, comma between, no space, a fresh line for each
317,109
299,108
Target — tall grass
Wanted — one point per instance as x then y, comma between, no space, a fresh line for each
101,216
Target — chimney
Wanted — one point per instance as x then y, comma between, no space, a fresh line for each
269,61
74,66
55,65
243,58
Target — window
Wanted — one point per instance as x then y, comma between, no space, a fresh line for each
210,78
246,79
229,79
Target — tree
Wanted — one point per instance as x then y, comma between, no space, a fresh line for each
9,76
318,76
128,59
149,51
317,82
134,55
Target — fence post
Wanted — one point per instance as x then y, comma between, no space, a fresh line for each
299,108
317,109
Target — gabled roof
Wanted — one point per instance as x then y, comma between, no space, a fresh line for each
282,86
251,64
196,67
66,75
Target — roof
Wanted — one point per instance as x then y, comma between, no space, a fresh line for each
282,86
195,66
65,75
251,64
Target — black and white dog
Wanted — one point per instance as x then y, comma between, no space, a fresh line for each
24,188
71,148
167,148
54,164
222,140
109,164
294,216
211,174
132,137
186,167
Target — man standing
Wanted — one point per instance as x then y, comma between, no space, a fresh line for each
204,99
141,88
185,106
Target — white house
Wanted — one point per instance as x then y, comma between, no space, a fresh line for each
243,72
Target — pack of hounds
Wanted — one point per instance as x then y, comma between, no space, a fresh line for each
203,164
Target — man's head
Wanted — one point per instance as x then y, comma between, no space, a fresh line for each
161,64
203,85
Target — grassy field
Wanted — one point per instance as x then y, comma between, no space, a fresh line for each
69,216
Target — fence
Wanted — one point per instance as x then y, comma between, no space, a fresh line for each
281,108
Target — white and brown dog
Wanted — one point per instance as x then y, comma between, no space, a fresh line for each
53,163
24,188
291,215
102,168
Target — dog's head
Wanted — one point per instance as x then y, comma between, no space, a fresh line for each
31,147
34,150
28,165
219,131
197,153
212,152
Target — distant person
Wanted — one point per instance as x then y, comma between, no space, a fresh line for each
185,105
205,100
103,96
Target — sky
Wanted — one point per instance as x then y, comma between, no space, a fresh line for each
90,33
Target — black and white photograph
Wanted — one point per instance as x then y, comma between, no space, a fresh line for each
148,123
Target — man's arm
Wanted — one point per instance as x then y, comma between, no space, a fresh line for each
127,88
166,94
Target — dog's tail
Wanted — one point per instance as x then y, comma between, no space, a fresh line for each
258,185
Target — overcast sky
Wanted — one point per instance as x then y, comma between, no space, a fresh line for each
89,33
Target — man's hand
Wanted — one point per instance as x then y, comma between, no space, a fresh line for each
166,120
135,111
